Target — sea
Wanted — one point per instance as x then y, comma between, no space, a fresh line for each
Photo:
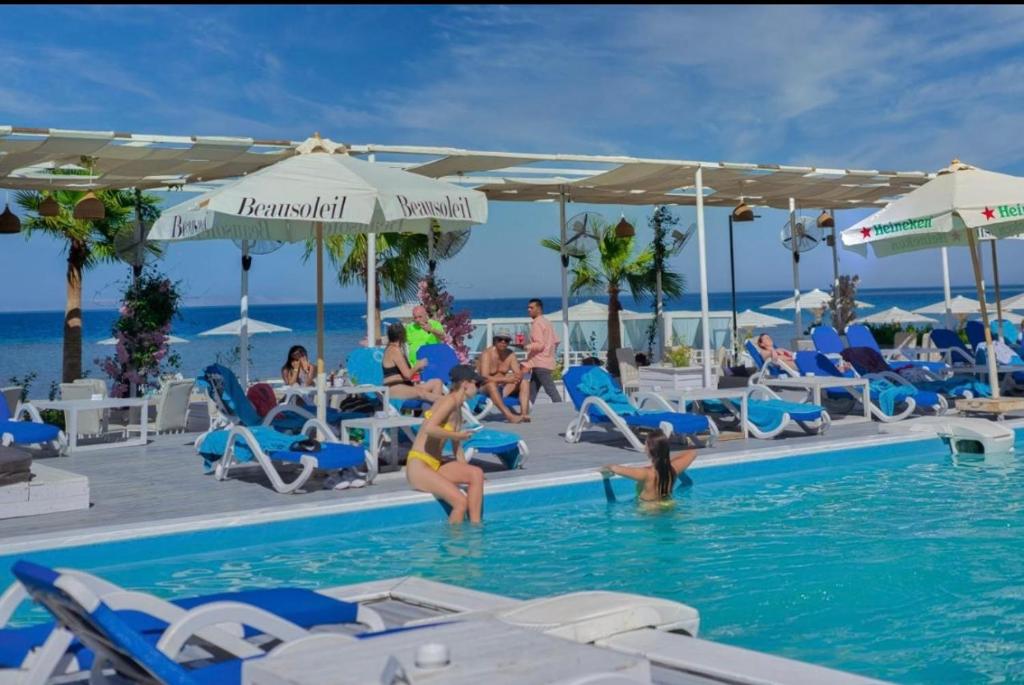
30,342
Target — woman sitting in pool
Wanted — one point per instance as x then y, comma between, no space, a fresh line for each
424,469
654,483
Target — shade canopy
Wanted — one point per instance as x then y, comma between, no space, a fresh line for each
752,319
254,327
171,340
586,311
938,213
897,315
959,305
812,299
343,194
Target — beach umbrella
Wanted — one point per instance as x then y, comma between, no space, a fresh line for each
959,306
171,340
254,327
402,311
951,209
897,315
1015,302
749,320
322,191
812,299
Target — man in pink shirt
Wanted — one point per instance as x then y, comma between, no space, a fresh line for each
540,359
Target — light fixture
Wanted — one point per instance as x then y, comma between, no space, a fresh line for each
825,220
9,221
48,207
624,229
743,212
90,207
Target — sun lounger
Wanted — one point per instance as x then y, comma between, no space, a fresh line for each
768,415
610,409
859,335
885,395
441,359
31,432
100,625
770,368
364,367
241,443
867,361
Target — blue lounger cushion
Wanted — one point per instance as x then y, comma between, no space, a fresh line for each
277,446
28,432
681,423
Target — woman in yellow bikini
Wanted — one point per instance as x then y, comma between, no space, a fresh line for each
424,469
654,483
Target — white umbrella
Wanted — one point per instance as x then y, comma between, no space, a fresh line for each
752,319
1015,302
171,340
950,209
812,299
586,311
254,327
402,311
959,305
322,191
897,315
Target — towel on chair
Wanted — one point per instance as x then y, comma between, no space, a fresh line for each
598,383
890,394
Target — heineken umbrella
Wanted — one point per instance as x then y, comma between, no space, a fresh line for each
812,299
322,191
897,315
950,209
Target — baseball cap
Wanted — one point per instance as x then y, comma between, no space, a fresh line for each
502,334
465,372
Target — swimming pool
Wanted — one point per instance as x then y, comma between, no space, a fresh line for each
887,561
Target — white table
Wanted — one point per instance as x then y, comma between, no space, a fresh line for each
480,651
308,392
814,385
695,394
72,407
376,425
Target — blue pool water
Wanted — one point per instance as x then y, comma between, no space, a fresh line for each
889,561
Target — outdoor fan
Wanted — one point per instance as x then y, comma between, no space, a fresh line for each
444,246
582,234
806,234
131,247
258,247
681,238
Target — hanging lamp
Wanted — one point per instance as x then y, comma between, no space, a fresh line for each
743,212
9,221
90,207
624,229
48,207
825,220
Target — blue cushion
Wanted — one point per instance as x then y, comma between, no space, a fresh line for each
330,457
28,432
298,605
681,423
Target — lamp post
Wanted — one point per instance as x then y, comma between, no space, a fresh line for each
742,212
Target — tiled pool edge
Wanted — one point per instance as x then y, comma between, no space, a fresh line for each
90,536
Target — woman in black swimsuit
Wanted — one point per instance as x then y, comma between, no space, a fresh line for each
398,375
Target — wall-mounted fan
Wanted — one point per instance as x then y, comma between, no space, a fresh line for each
801,236
681,238
582,234
131,246
444,246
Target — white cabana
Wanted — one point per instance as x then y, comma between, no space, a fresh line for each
319,192
171,340
897,315
254,327
956,206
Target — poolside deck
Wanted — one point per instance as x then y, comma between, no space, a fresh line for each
163,484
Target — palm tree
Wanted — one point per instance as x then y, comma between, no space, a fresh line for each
613,267
89,242
401,258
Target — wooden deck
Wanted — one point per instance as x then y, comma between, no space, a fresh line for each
164,481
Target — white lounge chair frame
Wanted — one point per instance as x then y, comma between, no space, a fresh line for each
7,439
574,431
764,392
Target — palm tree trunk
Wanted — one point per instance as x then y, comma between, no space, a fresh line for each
72,363
614,338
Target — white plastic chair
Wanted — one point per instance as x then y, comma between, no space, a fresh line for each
629,373
89,422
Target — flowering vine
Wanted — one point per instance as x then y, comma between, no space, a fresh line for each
439,304
142,329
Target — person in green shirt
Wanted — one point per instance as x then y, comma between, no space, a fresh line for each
422,331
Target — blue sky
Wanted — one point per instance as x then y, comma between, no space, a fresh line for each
857,87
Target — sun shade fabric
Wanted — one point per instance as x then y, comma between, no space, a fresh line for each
346,195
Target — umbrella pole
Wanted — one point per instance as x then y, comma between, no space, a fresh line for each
321,392
243,328
798,320
999,299
705,336
372,329
732,281
565,284
990,353
945,288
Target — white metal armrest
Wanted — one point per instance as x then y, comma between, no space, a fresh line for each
369,618
314,424
30,409
641,399
198,621
10,600
286,409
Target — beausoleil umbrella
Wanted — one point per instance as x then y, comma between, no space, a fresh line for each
322,191
897,315
948,210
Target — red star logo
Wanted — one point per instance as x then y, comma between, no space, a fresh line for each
865,232
989,213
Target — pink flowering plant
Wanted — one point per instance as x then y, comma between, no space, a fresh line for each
141,331
440,305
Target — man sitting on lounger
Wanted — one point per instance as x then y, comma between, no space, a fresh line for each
500,369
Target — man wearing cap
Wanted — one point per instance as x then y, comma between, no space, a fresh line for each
422,331
500,370
540,358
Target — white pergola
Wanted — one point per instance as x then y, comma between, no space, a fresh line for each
28,157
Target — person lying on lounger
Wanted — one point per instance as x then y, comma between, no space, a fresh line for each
424,469
770,353
654,483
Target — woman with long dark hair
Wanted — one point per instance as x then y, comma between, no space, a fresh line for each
654,483
398,375
297,370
